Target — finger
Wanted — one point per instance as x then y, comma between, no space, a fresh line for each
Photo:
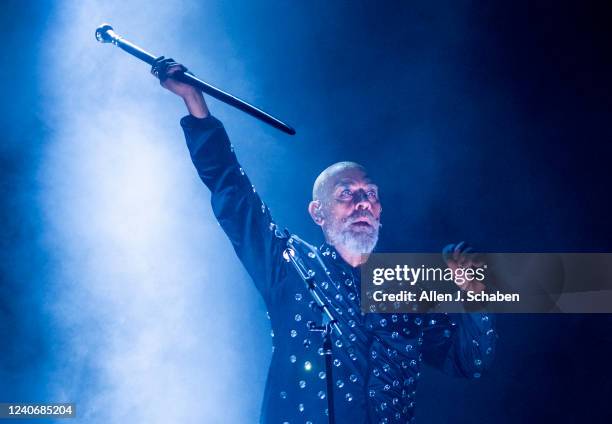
155,66
460,246
176,67
162,62
463,251
447,252
467,256
167,67
167,63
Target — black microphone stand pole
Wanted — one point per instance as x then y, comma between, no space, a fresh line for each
293,254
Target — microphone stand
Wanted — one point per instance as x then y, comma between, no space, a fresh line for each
106,34
294,253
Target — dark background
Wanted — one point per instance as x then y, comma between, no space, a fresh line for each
482,121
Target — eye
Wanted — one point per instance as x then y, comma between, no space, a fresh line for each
345,194
372,194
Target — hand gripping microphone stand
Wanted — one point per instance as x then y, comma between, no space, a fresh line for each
301,254
106,34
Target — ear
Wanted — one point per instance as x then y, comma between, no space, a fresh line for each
314,209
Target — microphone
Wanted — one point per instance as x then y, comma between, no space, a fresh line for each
106,34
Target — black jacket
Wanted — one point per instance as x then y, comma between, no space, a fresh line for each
375,381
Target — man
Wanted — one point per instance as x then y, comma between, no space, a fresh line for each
375,380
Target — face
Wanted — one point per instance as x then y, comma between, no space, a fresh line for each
350,210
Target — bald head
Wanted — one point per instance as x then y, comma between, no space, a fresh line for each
327,180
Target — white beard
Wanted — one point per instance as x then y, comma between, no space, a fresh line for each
357,242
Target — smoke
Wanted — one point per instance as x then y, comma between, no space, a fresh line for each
149,325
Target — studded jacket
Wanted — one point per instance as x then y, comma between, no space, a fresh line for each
375,380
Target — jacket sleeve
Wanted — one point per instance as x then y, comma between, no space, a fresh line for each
460,344
243,216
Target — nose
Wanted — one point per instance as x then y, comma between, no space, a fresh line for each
361,201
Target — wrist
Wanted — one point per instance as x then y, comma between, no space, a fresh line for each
194,100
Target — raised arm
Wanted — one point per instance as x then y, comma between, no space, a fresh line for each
238,208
